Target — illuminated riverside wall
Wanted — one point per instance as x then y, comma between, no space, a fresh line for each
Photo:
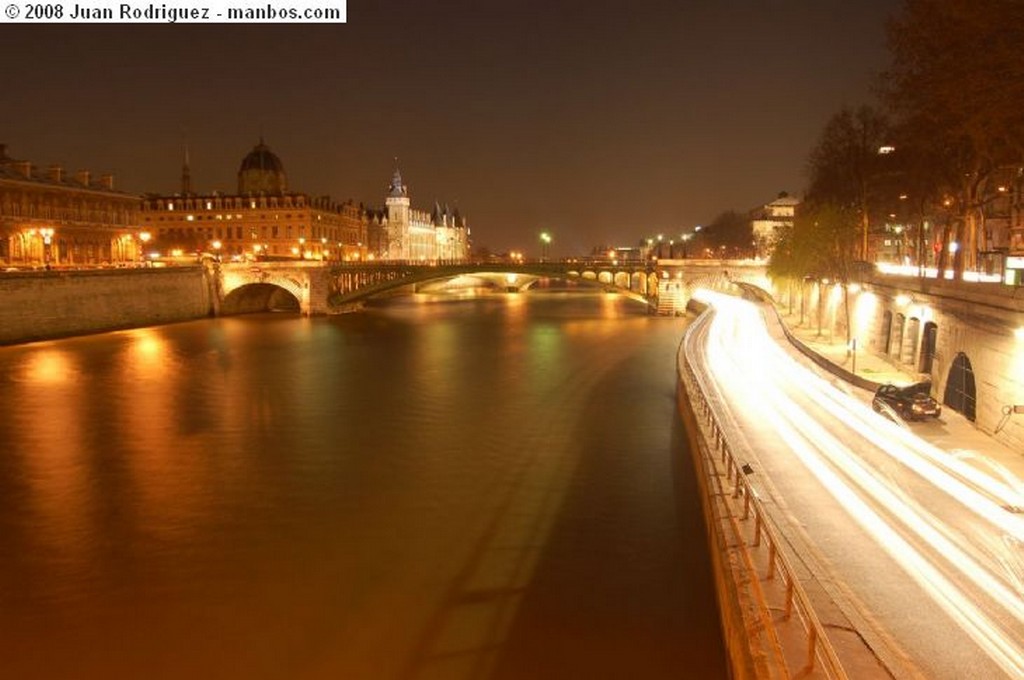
42,305
967,338
746,660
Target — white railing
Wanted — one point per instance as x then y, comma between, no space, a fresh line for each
812,650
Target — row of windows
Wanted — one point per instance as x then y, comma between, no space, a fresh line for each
219,204
263,232
190,218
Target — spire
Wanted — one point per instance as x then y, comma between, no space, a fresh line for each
396,188
186,175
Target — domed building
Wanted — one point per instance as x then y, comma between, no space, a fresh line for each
261,172
263,220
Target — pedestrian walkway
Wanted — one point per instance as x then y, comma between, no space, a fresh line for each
865,364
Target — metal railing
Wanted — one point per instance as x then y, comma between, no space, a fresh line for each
818,652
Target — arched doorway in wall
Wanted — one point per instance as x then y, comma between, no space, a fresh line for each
960,392
908,351
896,337
928,340
884,331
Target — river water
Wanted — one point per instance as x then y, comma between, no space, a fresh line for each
484,488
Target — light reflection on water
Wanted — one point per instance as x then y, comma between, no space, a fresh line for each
422,490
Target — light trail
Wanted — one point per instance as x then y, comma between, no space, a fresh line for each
752,371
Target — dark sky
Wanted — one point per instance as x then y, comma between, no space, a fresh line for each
601,122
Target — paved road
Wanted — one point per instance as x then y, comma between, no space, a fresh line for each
925,550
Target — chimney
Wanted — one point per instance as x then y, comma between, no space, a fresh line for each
107,182
56,173
82,177
3,152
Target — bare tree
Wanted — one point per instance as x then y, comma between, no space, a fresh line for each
848,170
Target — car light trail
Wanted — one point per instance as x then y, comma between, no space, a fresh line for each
979,587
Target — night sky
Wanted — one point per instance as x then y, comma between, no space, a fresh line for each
599,122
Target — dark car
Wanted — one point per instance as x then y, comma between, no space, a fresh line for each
913,402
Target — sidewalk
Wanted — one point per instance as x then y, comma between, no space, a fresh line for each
869,366
951,432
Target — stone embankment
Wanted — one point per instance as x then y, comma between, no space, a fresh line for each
42,305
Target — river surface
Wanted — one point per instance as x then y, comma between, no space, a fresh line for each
488,488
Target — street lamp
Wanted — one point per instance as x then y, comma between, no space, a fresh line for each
47,234
216,250
545,241
144,236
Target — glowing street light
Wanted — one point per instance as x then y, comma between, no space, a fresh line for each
47,234
545,241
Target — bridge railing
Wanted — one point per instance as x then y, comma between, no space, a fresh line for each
761,544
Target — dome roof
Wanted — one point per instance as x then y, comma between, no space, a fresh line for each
261,158
261,172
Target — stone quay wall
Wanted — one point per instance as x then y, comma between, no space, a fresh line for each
43,305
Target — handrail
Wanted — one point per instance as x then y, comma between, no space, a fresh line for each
716,441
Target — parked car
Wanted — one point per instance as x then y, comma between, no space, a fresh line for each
913,402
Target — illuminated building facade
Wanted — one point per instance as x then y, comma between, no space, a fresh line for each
53,219
262,220
403,233
767,220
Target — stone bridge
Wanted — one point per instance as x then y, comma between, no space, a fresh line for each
312,288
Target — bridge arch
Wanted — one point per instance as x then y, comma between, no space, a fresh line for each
249,298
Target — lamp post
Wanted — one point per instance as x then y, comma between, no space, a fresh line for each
47,234
301,248
216,250
144,236
545,243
